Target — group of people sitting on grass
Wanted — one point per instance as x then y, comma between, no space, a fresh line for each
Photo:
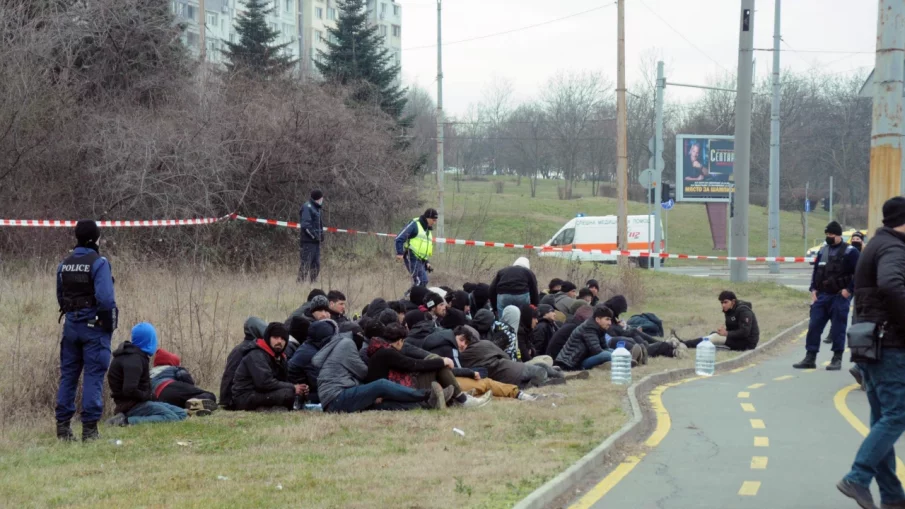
435,348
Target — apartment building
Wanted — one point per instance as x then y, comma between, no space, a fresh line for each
302,25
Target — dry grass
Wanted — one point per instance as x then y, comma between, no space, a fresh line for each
367,460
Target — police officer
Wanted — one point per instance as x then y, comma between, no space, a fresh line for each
415,245
85,295
312,234
832,286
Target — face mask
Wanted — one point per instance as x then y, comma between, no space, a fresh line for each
831,240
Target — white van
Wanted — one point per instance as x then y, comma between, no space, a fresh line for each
599,233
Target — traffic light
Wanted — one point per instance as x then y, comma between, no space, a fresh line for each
665,194
826,204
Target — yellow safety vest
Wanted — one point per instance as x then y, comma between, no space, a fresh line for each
422,246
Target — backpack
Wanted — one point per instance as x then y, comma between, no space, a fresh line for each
650,324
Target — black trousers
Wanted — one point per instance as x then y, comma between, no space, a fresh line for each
309,262
262,400
177,393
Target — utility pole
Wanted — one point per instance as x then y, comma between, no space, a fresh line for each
807,212
739,240
773,225
440,125
202,31
621,140
830,199
658,163
886,134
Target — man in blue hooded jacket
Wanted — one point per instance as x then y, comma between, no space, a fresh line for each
85,295
312,234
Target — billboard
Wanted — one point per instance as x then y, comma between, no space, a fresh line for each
704,166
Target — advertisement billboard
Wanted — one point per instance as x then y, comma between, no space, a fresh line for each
704,167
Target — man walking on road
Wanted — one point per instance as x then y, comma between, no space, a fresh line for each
312,234
415,245
880,290
832,285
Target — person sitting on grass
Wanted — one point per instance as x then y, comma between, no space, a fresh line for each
299,368
341,372
544,330
173,384
504,332
475,353
386,361
261,380
740,331
651,346
594,287
254,329
583,349
476,381
305,309
129,379
586,295
336,303
483,322
560,337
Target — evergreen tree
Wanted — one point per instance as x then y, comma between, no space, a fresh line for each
356,56
256,55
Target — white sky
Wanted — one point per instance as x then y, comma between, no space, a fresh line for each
588,42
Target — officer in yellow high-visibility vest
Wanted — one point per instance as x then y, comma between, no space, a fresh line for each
415,245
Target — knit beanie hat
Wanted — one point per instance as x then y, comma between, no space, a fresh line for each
894,212
432,299
276,330
321,330
388,316
836,228
542,310
416,295
314,293
87,232
317,194
319,303
298,328
165,358
453,319
144,336
414,317
567,286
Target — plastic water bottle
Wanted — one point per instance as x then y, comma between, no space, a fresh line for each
621,365
704,358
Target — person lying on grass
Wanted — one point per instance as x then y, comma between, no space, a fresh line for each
173,384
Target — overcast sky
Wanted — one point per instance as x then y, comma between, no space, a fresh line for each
698,40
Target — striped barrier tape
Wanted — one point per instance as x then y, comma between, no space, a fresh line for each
440,240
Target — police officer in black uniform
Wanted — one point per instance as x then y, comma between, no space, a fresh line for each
85,295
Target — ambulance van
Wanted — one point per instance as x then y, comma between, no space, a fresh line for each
580,235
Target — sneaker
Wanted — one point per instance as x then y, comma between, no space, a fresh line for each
205,413
580,375
860,494
437,399
201,404
526,396
472,402
681,351
64,432
118,420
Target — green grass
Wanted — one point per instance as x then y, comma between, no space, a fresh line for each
476,212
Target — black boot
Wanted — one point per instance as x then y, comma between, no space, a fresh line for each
64,432
836,363
809,361
89,431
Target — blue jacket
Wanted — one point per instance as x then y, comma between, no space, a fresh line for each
410,231
103,288
849,263
311,224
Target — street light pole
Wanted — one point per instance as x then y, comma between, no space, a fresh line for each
773,227
621,136
440,164
739,240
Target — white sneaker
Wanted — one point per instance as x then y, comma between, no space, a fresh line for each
681,351
526,396
472,402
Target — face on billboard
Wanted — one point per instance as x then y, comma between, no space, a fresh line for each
705,168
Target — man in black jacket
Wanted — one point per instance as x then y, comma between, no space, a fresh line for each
880,299
515,285
261,380
312,234
254,329
584,349
129,379
560,337
544,330
741,331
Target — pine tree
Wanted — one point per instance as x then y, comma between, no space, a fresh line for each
356,56
256,55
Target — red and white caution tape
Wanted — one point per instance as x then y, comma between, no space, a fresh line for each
439,240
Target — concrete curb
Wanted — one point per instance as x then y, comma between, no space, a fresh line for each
565,481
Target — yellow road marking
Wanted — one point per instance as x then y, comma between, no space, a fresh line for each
739,370
808,370
758,424
756,386
748,407
744,395
842,408
784,377
608,482
758,463
761,441
826,363
749,488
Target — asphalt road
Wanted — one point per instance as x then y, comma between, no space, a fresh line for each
797,275
765,436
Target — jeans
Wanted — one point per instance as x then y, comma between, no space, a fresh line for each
876,458
596,360
537,375
416,268
309,261
155,411
504,300
828,308
85,349
362,397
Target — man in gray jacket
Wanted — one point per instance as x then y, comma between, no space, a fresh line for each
339,386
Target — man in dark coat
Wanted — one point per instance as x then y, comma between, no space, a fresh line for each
880,299
741,331
254,329
545,329
584,349
515,285
562,335
261,380
476,353
300,369
311,236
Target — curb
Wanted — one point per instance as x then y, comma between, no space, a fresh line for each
565,481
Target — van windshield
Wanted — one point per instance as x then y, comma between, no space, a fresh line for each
564,237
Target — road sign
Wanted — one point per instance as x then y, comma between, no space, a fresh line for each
648,178
668,205
807,206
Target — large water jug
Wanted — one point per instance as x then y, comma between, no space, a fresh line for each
621,365
704,358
